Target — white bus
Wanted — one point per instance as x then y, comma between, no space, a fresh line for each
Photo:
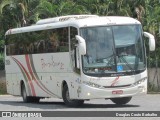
78,58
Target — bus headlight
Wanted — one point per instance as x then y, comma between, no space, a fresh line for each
139,81
92,84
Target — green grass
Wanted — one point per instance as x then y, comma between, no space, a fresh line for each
3,87
2,92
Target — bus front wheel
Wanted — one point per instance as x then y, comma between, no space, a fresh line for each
121,101
67,100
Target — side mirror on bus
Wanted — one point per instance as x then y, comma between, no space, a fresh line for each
151,41
81,44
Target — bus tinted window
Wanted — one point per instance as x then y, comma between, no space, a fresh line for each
45,41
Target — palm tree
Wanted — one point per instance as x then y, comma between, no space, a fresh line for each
119,7
17,10
54,8
106,7
152,16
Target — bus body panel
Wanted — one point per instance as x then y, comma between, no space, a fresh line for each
41,73
44,74
109,85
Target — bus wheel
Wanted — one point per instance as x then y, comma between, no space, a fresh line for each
121,101
34,99
26,99
68,101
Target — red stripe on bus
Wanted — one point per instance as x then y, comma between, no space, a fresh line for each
29,79
115,81
32,73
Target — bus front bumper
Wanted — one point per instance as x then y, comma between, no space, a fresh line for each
88,92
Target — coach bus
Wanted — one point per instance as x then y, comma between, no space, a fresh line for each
78,58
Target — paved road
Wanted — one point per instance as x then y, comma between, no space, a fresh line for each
138,103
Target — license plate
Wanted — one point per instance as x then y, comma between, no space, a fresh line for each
117,92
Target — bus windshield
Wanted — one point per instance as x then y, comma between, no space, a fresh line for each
113,49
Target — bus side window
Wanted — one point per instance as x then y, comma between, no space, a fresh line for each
10,46
31,48
63,40
52,43
41,46
7,45
21,49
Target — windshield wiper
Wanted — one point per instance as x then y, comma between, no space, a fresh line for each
113,58
128,65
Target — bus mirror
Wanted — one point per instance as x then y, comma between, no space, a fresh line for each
151,41
81,44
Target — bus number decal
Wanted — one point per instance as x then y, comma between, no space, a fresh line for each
8,62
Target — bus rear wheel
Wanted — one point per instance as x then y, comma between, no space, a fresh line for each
68,101
34,99
121,101
26,99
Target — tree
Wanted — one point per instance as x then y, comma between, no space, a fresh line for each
55,8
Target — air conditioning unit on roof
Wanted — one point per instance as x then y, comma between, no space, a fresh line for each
63,18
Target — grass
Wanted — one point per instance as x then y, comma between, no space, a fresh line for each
3,87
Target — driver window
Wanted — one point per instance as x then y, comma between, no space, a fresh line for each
73,33
74,50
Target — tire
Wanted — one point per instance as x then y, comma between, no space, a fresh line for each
26,99
121,101
68,101
34,99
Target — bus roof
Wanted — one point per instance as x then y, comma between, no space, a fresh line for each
63,18
91,21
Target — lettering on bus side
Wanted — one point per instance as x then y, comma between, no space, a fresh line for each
52,63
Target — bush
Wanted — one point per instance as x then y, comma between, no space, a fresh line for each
153,88
2,66
3,89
